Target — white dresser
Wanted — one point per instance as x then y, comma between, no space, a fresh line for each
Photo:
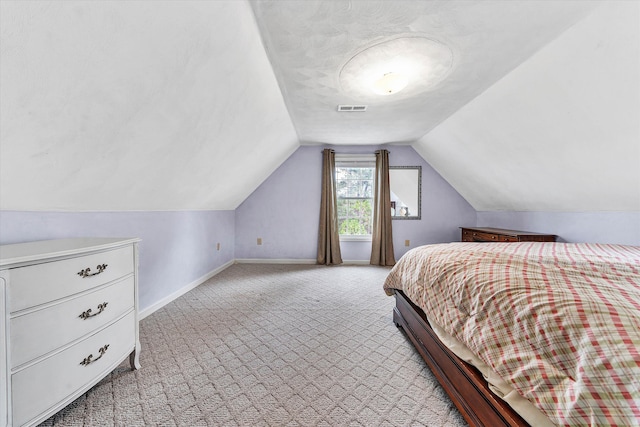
69,317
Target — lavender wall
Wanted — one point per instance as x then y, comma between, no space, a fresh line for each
284,210
176,249
443,209
599,227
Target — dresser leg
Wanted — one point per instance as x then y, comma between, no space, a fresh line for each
134,358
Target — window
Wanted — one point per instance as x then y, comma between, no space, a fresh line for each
354,185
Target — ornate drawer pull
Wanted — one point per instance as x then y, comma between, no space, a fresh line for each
87,271
87,314
89,359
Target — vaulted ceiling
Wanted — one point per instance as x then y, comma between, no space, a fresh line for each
192,104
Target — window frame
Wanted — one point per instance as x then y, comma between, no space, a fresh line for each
357,161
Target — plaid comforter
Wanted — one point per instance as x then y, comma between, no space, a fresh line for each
559,322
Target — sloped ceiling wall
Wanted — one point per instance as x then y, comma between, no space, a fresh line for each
559,133
136,106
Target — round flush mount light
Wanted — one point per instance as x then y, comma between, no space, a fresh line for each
405,66
390,83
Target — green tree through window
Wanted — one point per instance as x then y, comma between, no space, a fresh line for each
355,200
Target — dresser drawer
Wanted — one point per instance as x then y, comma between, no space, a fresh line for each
40,283
37,333
41,386
467,236
483,237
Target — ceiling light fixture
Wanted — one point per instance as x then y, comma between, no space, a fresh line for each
409,65
390,83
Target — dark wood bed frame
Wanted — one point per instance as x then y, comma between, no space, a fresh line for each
463,383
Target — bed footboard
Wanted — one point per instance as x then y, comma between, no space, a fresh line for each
462,382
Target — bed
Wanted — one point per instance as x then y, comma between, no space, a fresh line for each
527,333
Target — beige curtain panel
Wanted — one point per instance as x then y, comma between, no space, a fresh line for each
382,238
328,237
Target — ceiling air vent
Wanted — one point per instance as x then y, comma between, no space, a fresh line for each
352,108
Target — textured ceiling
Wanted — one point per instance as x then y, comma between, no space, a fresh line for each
308,43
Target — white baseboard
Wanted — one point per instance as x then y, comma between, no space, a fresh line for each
294,261
356,262
274,261
177,294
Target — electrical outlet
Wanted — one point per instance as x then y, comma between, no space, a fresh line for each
407,242
218,246
259,241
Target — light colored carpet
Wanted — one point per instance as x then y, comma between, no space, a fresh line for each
272,345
